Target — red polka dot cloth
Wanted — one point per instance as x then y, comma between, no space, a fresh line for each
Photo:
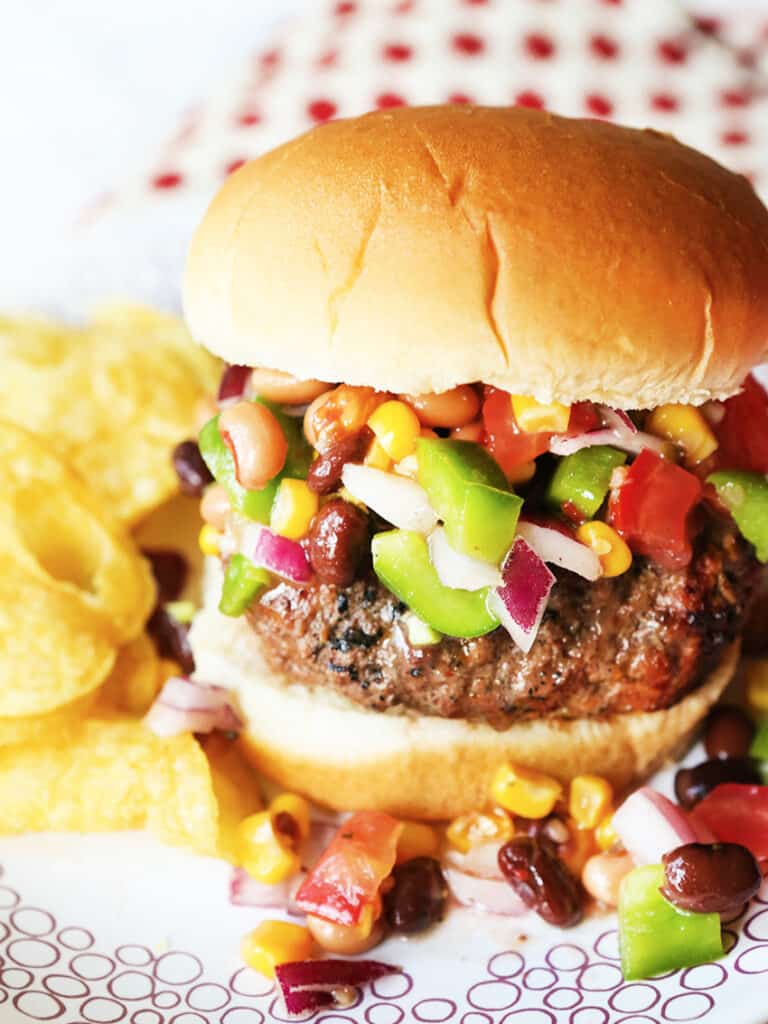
640,62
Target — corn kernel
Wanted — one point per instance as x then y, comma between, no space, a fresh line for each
756,683
576,851
589,800
293,508
298,809
534,417
416,840
523,473
208,540
376,457
605,834
612,550
262,853
396,427
524,791
686,426
274,943
479,827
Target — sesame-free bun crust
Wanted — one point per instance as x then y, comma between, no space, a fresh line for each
419,248
312,741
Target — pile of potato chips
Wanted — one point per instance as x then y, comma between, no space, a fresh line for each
90,416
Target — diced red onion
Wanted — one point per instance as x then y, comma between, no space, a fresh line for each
490,895
234,381
555,547
282,556
561,444
649,825
617,419
245,891
309,984
481,860
186,705
400,501
520,601
457,570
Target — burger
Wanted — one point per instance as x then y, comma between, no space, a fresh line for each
489,461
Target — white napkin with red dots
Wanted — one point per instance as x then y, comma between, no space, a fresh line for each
641,62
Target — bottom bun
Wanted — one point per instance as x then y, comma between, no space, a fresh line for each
312,741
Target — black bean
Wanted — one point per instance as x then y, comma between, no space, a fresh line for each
728,732
693,784
234,380
194,476
417,898
171,639
542,881
338,542
325,472
710,878
170,571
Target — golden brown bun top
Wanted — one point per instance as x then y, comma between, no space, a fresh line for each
419,248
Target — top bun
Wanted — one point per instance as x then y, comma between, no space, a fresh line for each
420,248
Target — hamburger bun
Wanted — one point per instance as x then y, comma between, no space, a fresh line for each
419,248
416,766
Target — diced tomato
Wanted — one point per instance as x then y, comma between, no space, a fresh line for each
651,509
349,873
509,445
743,432
584,417
737,813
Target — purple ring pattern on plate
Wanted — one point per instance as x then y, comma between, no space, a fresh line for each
50,968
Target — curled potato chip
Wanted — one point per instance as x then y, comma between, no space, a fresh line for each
109,775
135,678
57,536
45,727
236,787
113,397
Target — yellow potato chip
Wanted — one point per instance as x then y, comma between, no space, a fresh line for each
109,775
237,790
56,534
135,678
42,728
113,397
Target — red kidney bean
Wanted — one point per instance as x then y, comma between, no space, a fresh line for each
170,638
338,542
418,897
710,878
234,381
170,571
693,784
325,472
194,476
542,881
728,732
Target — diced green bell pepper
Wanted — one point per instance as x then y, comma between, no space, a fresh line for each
583,479
401,561
254,504
654,936
746,497
759,750
243,582
486,522
469,492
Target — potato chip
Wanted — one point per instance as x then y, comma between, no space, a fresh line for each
58,536
113,397
42,728
135,679
109,775
237,790
175,525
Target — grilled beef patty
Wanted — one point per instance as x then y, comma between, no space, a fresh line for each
637,642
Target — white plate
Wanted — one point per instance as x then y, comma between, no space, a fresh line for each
110,928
